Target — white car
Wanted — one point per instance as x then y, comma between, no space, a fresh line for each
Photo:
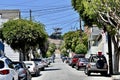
32,67
7,71
39,63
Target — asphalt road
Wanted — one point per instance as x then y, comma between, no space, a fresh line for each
62,71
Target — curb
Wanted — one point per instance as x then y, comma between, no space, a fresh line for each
116,77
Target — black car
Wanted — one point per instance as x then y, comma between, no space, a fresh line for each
23,72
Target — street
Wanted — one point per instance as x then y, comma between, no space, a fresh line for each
62,71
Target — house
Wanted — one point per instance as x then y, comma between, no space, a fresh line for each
93,40
98,42
6,15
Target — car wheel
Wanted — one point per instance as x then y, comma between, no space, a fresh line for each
77,67
87,72
72,66
36,73
43,69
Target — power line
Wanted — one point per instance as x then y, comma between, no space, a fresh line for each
49,9
60,17
63,22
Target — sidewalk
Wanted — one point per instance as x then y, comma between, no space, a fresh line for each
116,76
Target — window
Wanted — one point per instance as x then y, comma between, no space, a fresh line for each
9,63
1,64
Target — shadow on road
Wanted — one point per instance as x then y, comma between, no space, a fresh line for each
52,69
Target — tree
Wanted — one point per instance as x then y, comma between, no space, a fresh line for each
51,49
72,40
23,35
85,12
104,13
81,49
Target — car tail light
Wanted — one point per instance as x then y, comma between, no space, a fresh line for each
34,69
4,72
79,64
88,65
106,66
74,60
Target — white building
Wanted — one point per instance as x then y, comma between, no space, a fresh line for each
98,42
6,15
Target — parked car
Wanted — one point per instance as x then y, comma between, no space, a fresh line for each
97,64
75,59
7,70
39,63
45,62
67,60
32,67
49,59
23,72
81,63
64,58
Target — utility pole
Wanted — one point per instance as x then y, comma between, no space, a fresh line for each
80,28
30,15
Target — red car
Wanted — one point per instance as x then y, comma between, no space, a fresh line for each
81,63
75,59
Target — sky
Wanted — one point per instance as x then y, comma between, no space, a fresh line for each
52,13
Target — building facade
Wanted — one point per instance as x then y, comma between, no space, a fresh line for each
6,15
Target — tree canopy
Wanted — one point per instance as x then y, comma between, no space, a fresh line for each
23,35
72,40
105,14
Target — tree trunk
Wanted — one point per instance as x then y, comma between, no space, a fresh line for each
20,56
116,54
116,61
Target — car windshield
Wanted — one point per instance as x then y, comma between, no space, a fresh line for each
28,64
19,65
83,60
94,59
79,56
1,64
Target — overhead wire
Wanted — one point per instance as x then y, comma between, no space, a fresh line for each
60,17
63,22
47,12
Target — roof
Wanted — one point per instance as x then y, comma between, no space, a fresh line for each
10,14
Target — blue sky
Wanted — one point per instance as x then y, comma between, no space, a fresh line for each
52,13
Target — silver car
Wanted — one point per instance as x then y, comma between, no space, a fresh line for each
97,64
23,72
39,63
32,67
